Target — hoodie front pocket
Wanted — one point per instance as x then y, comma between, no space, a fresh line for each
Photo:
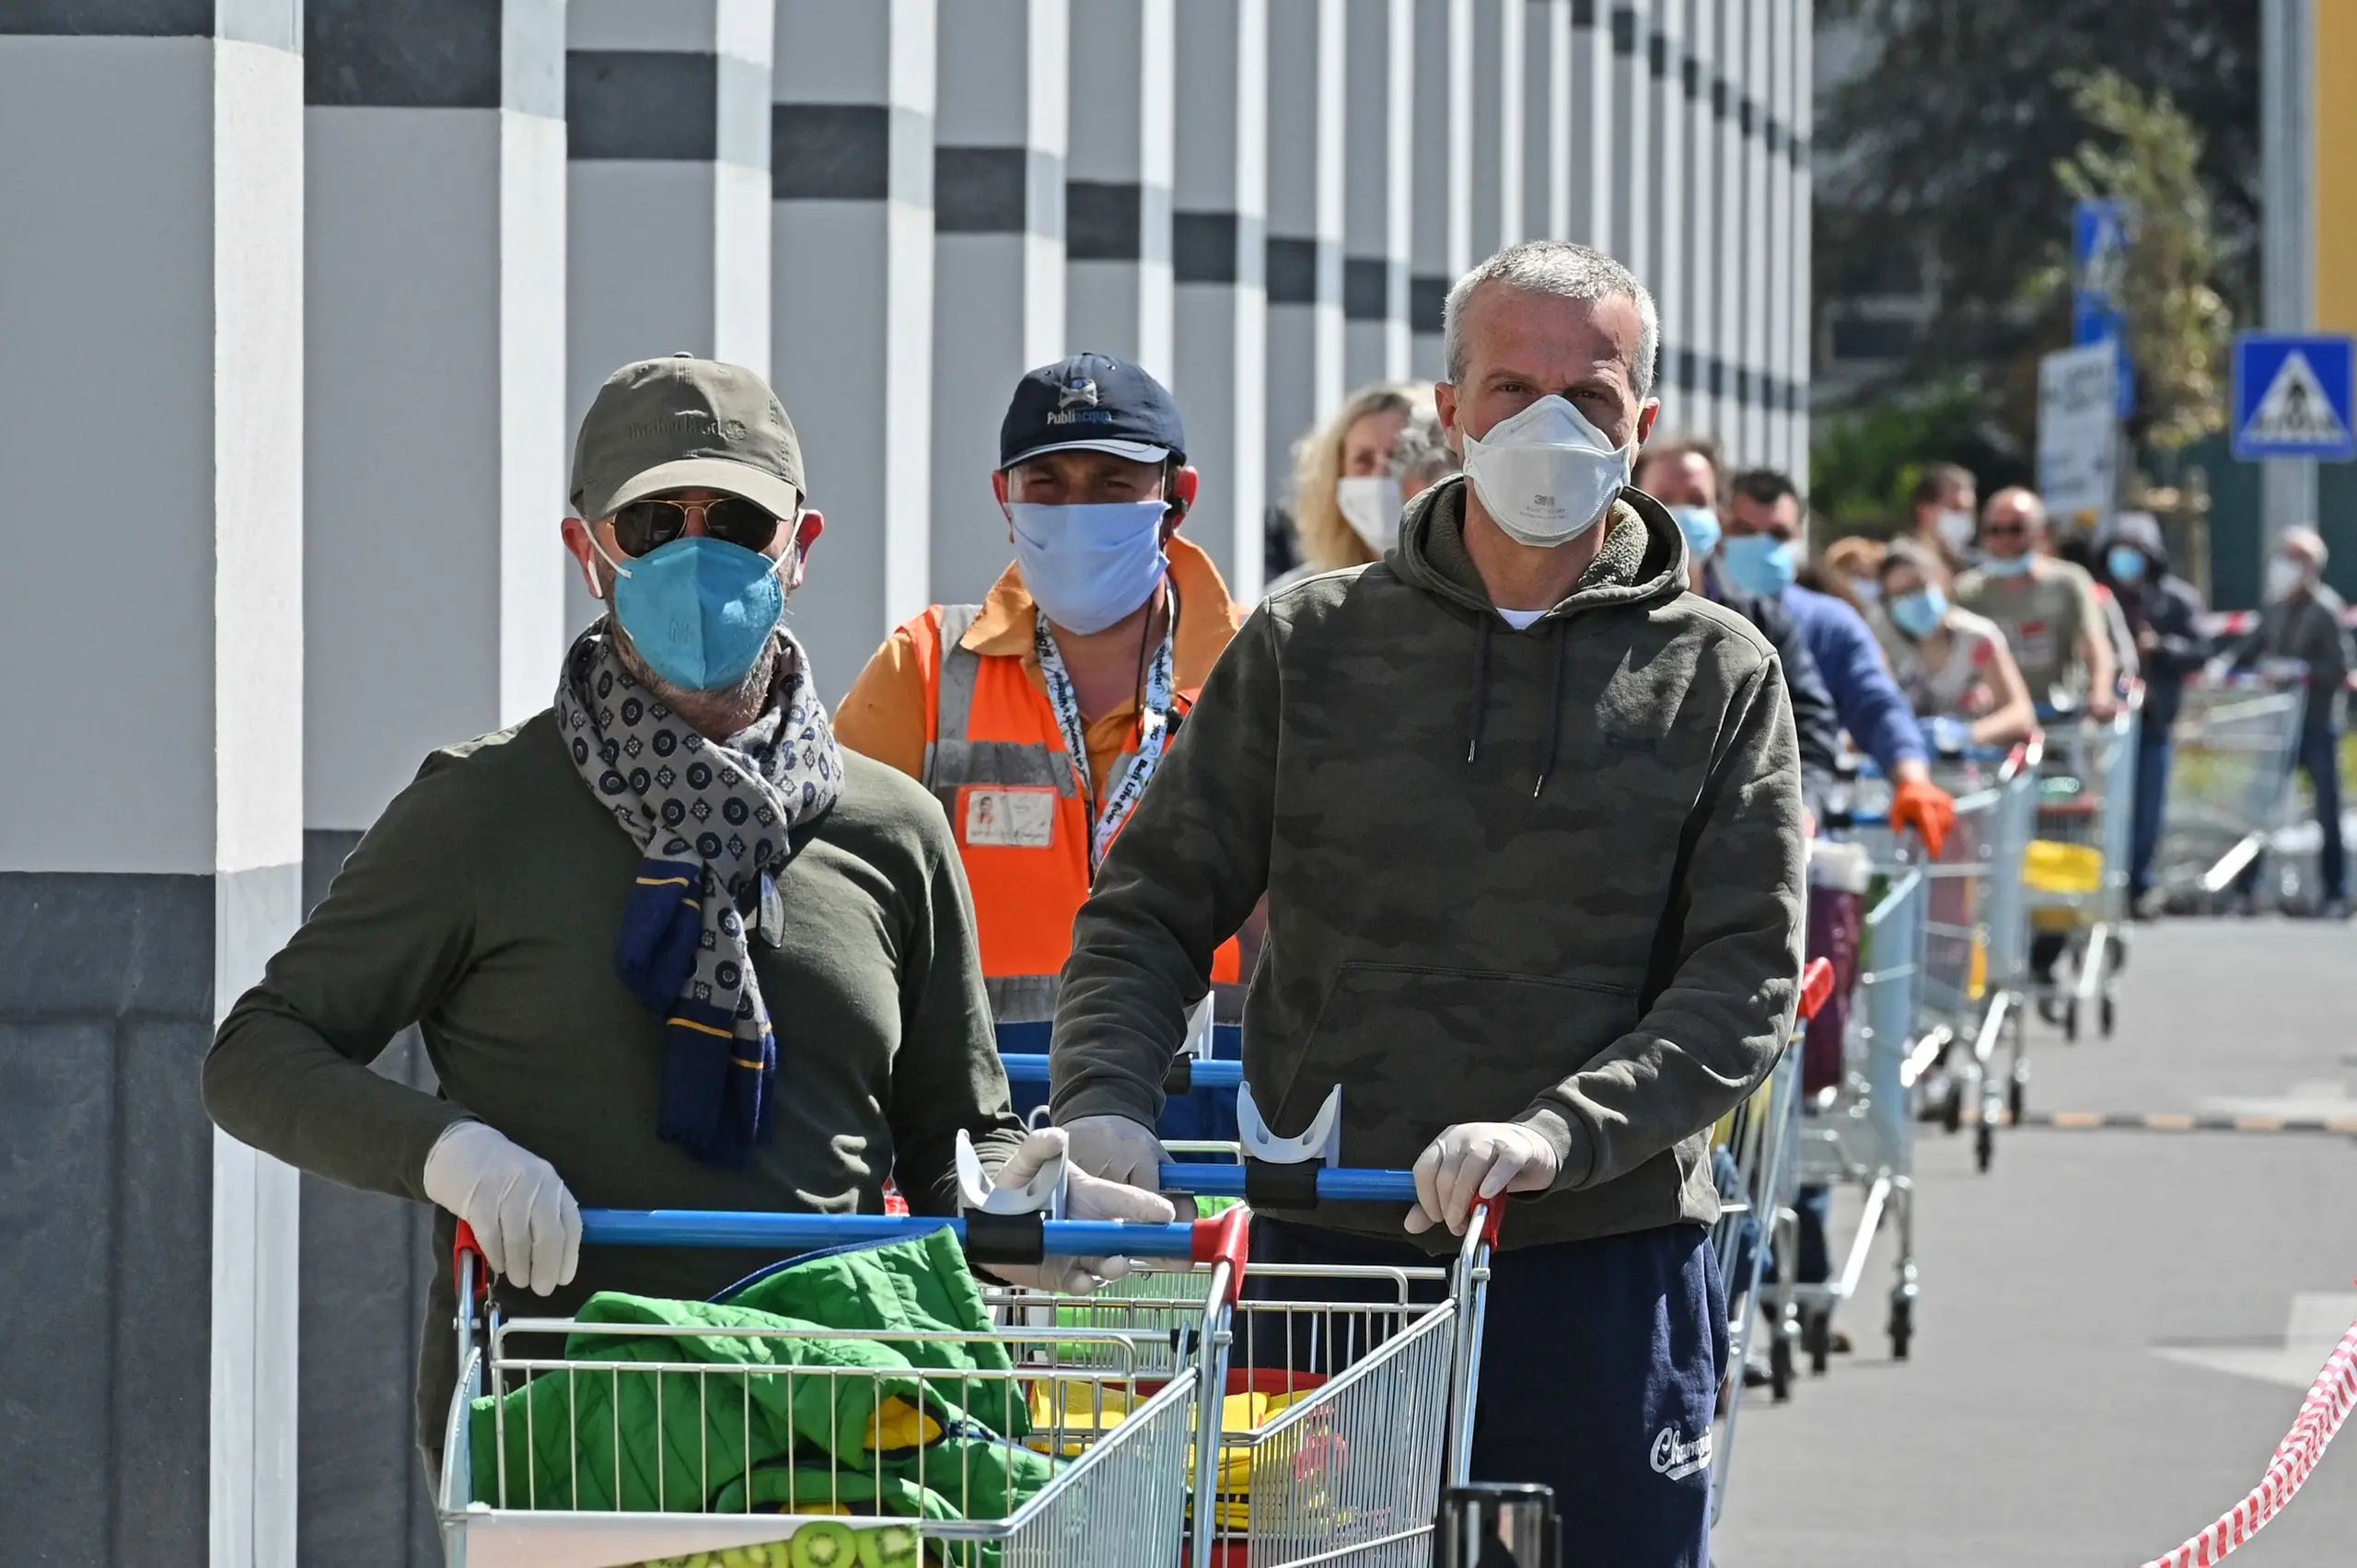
1419,1050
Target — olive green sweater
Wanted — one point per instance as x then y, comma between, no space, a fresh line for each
484,907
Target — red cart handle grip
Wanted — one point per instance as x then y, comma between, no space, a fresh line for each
1816,987
1226,1238
464,1247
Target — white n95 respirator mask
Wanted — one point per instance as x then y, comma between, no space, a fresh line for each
1546,475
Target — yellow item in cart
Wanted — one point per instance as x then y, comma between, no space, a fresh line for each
2060,870
1066,1415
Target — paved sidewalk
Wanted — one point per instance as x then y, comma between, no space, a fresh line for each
2100,1365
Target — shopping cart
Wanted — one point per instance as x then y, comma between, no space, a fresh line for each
1755,1141
2237,740
2075,870
1350,1391
1111,1390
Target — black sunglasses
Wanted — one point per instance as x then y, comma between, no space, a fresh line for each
642,526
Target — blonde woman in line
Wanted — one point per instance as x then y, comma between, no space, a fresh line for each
1346,494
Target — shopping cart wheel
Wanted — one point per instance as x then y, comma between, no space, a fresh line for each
1816,1338
2070,1019
2104,1015
1984,1146
1780,1369
1902,1326
1951,1107
2016,1101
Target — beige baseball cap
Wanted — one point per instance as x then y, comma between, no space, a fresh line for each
669,424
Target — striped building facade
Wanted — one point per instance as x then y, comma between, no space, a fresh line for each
315,289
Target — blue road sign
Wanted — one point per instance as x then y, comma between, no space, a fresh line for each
2098,260
2292,396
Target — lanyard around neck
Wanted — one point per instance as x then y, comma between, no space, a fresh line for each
1155,704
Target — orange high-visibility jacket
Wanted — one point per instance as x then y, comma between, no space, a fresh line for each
995,758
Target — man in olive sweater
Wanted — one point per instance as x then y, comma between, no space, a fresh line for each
669,947
1528,816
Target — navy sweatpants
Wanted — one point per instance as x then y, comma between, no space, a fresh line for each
1600,1369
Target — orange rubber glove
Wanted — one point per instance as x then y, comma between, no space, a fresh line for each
1923,805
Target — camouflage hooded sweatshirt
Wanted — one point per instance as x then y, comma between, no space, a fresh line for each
1551,877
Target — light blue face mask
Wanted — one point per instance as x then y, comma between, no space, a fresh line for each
1089,565
699,610
2127,564
1918,614
2008,565
1760,563
1701,527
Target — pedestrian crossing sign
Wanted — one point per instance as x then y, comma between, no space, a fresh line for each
2292,396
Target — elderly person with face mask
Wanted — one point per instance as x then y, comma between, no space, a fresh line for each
1528,818
2303,636
670,947
2162,612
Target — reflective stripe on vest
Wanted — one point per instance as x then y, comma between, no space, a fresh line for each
995,759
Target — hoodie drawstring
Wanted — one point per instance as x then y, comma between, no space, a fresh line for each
1481,699
1480,687
1554,713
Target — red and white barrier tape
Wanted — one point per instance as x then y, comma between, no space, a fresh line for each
2321,1413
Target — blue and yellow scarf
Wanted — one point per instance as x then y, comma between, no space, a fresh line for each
712,819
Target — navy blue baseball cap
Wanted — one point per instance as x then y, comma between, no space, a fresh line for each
1091,402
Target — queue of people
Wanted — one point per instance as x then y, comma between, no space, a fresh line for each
1496,815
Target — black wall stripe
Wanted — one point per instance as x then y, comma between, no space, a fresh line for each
416,54
1658,48
1202,246
1624,31
1292,277
1427,303
831,152
1692,70
1366,288
979,189
107,18
641,104
1103,220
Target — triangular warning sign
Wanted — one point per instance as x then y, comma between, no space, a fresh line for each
2295,412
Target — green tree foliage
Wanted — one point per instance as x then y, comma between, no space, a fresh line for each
1940,159
1865,460
2179,329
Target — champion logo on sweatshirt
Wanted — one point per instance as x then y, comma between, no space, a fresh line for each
1674,1460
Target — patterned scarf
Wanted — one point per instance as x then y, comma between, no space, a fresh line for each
712,819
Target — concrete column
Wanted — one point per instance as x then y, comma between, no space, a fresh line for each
1775,134
1219,253
1547,147
1117,181
437,449
1304,270
1379,133
1735,220
1498,129
1758,240
1697,339
1666,105
151,168
851,310
998,249
1592,136
2287,239
1800,355
1440,246
1632,190
667,112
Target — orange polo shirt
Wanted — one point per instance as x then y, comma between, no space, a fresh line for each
883,715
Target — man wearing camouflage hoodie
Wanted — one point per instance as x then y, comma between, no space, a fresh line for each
1528,816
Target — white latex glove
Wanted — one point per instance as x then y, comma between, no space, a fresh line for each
1086,1197
1476,1160
1117,1149
527,1225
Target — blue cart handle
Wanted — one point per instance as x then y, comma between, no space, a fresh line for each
1186,1071
1290,1186
792,1233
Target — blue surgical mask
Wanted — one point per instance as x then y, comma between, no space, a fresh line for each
1701,527
699,610
2126,563
1760,563
1089,565
2008,565
1918,614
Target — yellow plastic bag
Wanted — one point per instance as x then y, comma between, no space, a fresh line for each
2051,867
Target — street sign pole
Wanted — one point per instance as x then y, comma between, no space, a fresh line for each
2287,159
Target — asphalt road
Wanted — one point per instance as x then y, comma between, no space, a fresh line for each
2101,1364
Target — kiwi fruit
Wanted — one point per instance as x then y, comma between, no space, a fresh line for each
824,1543
890,1546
